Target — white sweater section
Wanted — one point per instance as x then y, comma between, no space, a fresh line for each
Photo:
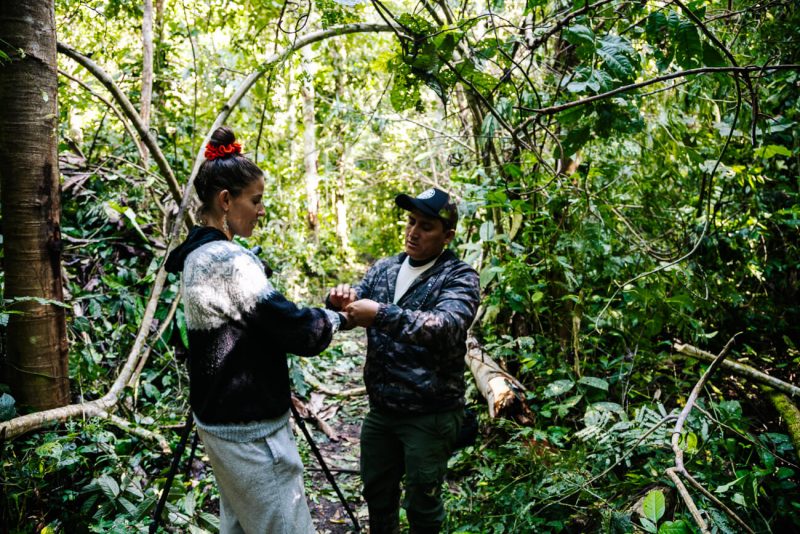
222,281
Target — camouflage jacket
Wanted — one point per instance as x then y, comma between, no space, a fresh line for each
415,350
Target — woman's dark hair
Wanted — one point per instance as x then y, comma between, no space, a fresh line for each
231,171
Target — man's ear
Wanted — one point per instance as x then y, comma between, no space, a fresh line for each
449,235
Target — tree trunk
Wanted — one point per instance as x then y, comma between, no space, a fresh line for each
790,414
36,365
342,164
310,155
147,66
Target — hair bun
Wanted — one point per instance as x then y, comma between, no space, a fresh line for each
222,136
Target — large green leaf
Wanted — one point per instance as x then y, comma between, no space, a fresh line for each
654,505
559,387
619,57
656,28
688,48
712,56
594,382
674,527
582,37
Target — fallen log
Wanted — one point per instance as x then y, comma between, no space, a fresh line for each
503,392
739,369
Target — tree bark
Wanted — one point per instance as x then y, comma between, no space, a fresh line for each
501,390
790,413
36,365
147,66
310,154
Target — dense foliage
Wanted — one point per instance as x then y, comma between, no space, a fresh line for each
623,186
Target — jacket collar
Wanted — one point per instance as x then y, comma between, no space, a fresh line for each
394,268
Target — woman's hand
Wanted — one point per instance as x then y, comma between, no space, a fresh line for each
362,312
342,296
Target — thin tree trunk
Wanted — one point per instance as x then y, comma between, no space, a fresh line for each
159,24
36,358
147,66
310,155
342,164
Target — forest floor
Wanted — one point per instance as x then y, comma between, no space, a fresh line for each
339,370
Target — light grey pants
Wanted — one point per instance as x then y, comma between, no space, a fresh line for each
260,484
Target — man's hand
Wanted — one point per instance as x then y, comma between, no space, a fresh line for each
362,312
342,296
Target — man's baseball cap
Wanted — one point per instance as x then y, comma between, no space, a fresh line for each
433,202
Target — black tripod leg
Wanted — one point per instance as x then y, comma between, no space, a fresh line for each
176,458
324,466
195,439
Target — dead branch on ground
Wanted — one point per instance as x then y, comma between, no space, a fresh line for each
679,469
503,392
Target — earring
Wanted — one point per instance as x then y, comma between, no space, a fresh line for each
225,227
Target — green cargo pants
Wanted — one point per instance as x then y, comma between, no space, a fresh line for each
416,447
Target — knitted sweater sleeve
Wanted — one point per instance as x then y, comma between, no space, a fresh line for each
269,316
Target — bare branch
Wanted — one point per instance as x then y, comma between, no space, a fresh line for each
132,115
626,88
113,109
740,369
679,468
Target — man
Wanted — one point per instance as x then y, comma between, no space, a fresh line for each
417,307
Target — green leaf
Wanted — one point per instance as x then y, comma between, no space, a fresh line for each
688,442
656,28
594,382
488,274
674,527
109,486
619,58
654,505
770,151
582,37
648,525
559,387
486,231
609,407
688,49
712,56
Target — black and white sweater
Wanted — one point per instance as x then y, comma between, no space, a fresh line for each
240,329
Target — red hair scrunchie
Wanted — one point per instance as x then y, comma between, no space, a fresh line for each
221,151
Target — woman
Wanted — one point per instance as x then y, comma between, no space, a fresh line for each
240,330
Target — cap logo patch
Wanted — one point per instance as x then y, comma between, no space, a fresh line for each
425,195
